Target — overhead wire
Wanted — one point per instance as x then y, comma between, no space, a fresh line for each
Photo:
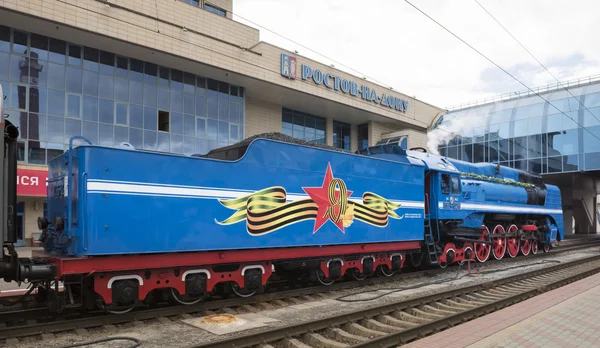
537,60
499,67
234,57
311,50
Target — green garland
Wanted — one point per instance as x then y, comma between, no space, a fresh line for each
498,180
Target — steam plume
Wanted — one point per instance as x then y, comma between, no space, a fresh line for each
460,123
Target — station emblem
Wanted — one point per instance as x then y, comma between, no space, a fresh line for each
268,210
288,66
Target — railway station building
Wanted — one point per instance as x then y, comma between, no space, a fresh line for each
557,136
178,76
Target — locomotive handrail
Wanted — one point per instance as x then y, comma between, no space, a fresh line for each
69,224
84,209
78,137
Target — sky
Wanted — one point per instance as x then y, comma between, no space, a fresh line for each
391,43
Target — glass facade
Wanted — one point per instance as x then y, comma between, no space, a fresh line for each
341,135
363,136
530,134
303,126
56,90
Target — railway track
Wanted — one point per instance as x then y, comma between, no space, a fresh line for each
394,324
28,302
36,322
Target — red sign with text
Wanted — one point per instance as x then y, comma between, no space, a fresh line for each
31,182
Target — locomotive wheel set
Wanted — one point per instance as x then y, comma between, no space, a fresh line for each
126,227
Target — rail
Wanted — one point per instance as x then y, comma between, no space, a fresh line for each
35,321
526,93
396,323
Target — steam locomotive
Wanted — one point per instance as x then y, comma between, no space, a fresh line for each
125,226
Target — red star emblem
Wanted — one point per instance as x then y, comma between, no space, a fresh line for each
320,196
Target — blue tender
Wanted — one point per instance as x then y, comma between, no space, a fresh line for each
122,201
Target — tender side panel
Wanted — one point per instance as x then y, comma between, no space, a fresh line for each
141,202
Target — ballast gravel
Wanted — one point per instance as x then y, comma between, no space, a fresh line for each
177,333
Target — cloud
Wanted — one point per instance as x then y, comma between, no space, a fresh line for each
395,44
532,74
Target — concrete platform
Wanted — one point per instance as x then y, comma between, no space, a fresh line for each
565,317
581,236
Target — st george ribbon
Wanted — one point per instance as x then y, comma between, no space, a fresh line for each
267,210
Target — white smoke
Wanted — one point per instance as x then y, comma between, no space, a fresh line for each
459,123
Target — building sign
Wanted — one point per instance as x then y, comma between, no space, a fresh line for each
288,69
31,182
288,66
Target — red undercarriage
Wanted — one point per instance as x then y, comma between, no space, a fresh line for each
154,271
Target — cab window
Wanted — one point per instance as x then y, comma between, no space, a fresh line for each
446,184
450,183
455,184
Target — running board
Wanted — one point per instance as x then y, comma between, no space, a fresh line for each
458,239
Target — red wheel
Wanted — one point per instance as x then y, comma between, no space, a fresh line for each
546,247
482,251
526,245
499,247
534,247
513,243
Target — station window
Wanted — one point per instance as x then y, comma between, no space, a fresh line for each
192,2
163,121
363,136
214,9
341,135
301,125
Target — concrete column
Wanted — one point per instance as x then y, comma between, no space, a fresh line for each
329,131
371,134
568,221
583,196
567,203
353,138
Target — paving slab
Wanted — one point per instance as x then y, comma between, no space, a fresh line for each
565,317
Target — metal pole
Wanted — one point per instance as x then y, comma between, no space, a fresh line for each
3,196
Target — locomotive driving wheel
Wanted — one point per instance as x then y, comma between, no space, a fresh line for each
482,251
526,245
534,247
499,247
513,243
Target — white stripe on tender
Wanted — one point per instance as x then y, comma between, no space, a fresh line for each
476,206
191,192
